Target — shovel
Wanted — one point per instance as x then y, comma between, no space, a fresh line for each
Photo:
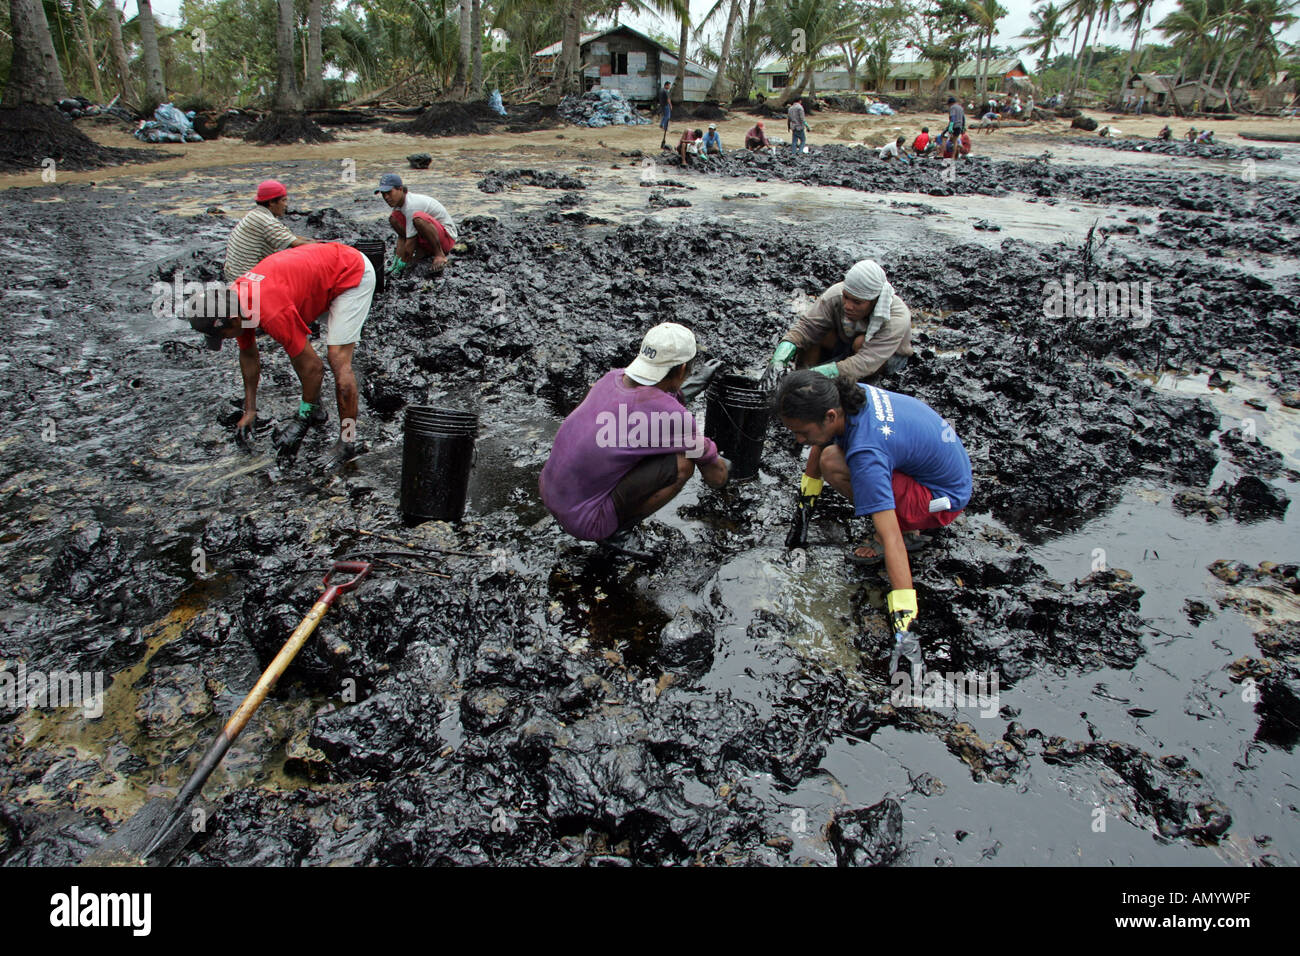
155,836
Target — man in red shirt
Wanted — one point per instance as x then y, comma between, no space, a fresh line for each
921,145
281,296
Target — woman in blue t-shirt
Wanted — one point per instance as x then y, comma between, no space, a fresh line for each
892,455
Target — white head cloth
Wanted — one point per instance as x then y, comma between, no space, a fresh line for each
866,281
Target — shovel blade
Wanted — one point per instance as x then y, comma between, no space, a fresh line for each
128,846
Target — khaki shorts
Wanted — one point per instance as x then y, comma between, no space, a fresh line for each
348,312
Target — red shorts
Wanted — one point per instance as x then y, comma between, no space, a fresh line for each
398,222
912,505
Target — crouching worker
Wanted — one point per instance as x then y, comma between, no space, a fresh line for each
631,445
424,227
895,459
281,297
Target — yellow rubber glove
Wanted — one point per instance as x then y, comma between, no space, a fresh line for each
902,609
810,487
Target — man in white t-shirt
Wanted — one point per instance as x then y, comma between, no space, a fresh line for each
892,150
424,227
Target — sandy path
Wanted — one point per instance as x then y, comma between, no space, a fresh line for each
372,151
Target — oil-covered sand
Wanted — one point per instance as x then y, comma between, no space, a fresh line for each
1127,566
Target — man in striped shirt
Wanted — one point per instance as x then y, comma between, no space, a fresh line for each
260,232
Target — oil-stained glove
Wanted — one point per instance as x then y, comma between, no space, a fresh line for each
398,267
902,608
809,489
699,378
907,645
782,359
291,435
830,370
902,612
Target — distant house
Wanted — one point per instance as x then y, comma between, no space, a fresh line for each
1278,94
1162,91
1156,88
628,61
906,80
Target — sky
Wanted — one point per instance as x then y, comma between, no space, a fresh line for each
1010,27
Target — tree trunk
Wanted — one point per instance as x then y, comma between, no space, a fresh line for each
1078,66
119,51
287,97
793,93
747,81
154,87
720,89
1232,74
1222,44
679,83
567,74
314,86
460,82
34,76
1129,64
1254,62
90,52
476,49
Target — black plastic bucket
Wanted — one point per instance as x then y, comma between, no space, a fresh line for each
736,418
437,455
373,249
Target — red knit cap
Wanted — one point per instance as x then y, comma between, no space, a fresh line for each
271,189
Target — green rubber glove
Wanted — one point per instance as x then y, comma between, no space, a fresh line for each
784,353
902,609
830,370
398,266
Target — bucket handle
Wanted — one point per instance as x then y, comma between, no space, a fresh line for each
736,425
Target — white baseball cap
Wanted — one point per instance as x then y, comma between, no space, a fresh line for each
664,347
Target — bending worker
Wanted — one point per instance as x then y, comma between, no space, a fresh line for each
631,445
855,327
280,298
896,460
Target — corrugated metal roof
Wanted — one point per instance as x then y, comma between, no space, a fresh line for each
555,48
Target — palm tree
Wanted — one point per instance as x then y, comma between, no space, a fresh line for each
1263,14
119,50
800,30
34,75
720,88
1229,22
1140,10
314,81
985,14
679,83
287,97
1107,11
1048,28
1188,29
155,90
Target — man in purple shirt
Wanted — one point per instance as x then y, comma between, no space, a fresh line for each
631,446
